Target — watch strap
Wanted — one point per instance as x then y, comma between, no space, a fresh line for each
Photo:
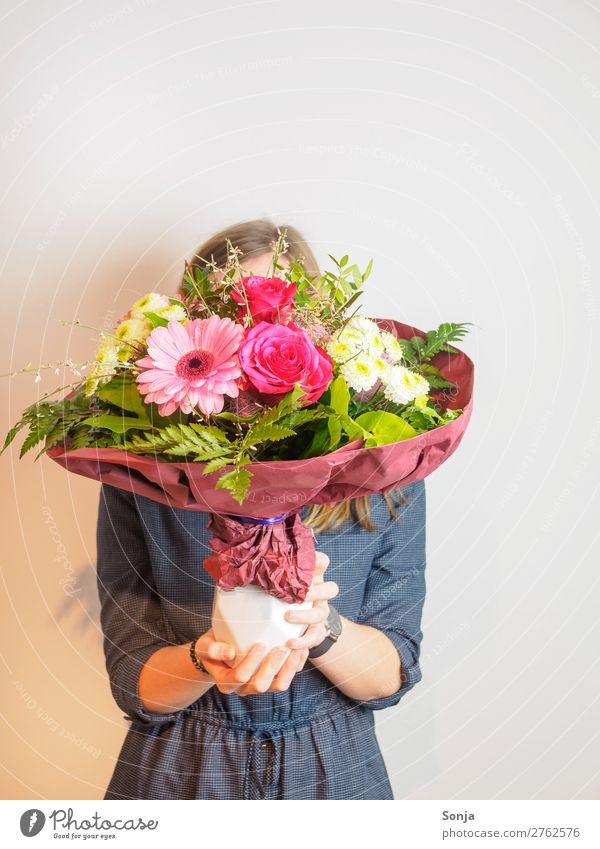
334,626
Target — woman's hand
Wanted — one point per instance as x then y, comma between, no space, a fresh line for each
256,673
320,593
260,672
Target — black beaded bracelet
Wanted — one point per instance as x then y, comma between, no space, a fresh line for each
195,660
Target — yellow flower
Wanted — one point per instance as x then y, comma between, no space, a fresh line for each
172,312
149,303
105,365
132,333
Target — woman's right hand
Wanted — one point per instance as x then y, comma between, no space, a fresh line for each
257,672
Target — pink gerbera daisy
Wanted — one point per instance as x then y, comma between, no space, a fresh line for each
191,365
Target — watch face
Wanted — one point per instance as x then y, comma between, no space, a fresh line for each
334,623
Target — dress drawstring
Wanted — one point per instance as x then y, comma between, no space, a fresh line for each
263,766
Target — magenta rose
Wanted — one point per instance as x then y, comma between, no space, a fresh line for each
268,299
275,357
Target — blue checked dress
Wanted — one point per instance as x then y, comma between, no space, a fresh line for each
311,742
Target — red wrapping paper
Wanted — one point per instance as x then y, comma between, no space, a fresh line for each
279,487
278,557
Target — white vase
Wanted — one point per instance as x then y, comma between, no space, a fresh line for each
247,615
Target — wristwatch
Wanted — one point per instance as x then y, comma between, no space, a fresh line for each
334,627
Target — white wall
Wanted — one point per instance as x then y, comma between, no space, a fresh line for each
457,144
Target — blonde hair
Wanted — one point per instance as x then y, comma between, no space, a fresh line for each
254,238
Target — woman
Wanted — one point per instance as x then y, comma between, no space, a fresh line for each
201,729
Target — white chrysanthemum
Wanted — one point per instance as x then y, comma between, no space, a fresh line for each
363,326
105,365
401,385
382,365
359,336
340,351
392,347
149,303
360,374
172,312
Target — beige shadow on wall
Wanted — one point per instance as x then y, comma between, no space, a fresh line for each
61,728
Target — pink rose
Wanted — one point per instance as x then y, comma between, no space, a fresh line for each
275,357
269,299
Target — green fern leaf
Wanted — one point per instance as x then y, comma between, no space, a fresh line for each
237,482
215,464
268,433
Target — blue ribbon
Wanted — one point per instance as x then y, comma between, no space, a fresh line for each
250,521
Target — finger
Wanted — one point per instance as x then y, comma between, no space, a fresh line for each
324,591
303,658
310,616
321,563
268,669
313,637
245,669
283,679
219,651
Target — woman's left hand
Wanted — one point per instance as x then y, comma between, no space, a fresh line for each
320,593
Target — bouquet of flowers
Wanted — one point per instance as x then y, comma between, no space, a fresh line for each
250,397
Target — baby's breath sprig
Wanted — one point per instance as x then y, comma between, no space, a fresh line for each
280,247
75,368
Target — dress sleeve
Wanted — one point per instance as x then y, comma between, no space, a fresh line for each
130,610
395,589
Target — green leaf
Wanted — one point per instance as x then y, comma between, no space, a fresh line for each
300,417
408,353
334,429
157,320
58,432
287,404
210,434
13,432
232,417
214,465
353,429
122,392
34,436
384,428
237,482
339,395
195,441
418,344
437,340
117,424
268,433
